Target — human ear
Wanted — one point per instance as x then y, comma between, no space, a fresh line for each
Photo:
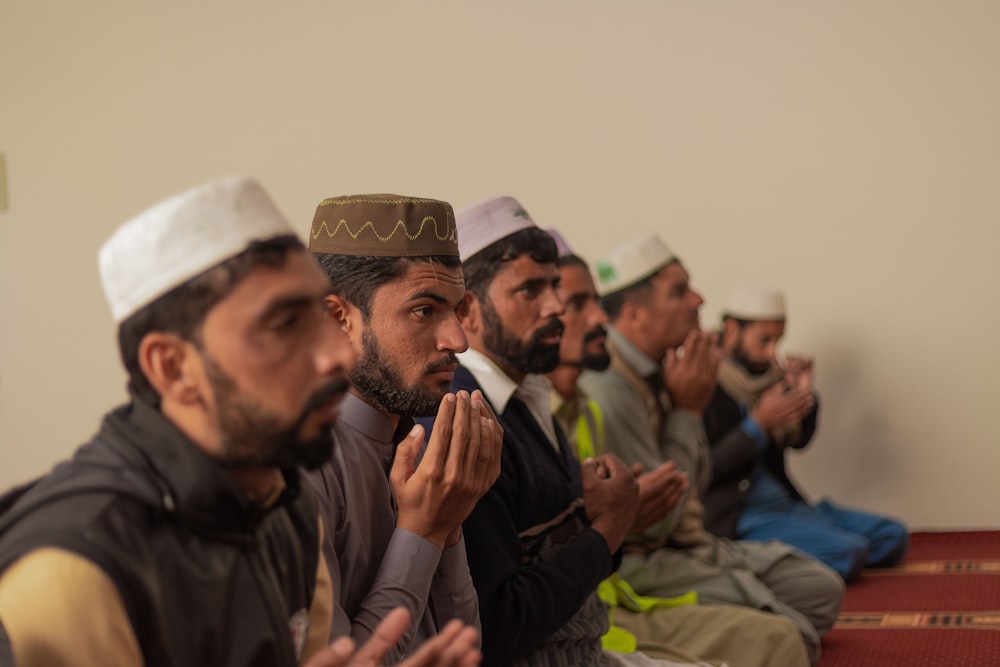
340,310
171,367
470,314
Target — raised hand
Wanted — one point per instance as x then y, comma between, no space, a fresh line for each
780,406
461,462
454,646
799,372
690,377
659,492
610,496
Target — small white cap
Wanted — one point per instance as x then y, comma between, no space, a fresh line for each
182,237
632,262
482,224
561,244
755,303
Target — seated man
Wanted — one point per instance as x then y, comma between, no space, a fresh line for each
661,376
729,633
393,535
544,536
180,535
758,411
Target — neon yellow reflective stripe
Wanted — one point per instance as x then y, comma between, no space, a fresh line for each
590,432
619,640
594,411
608,593
615,639
615,591
584,440
628,598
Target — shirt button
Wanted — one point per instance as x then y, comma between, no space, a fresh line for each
744,484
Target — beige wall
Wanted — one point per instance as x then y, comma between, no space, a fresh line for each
849,151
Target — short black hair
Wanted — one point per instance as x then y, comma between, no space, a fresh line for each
182,310
356,277
637,293
481,268
573,260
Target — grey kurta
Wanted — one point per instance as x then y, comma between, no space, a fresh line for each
375,566
640,426
730,634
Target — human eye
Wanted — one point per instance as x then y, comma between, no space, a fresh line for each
293,317
285,322
530,290
423,312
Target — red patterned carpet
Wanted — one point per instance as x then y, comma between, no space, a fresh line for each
939,608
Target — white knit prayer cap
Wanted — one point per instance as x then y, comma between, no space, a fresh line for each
756,303
632,262
182,237
482,224
561,246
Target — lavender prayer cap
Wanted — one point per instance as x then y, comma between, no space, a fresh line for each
482,224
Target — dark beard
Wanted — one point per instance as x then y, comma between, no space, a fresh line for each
380,384
754,368
254,438
595,361
525,357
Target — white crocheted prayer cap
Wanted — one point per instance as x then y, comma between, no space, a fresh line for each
177,239
561,244
484,223
632,262
756,303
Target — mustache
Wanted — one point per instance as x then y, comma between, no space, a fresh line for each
328,391
597,332
553,327
450,360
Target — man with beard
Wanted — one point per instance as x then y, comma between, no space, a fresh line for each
543,537
758,411
652,396
180,534
663,627
394,533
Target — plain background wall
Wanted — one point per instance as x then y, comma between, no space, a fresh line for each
848,151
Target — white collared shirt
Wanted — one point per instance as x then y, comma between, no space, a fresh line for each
498,387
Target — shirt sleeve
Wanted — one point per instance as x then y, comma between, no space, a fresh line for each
403,578
61,609
808,426
452,592
628,433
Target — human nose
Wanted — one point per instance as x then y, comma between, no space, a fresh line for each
597,315
552,305
772,352
451,337
695,298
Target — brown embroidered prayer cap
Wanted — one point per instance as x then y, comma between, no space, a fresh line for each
384,226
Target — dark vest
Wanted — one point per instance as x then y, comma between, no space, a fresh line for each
206,576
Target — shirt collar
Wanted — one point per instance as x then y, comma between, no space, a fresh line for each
534,391
366,419
496,385
640,362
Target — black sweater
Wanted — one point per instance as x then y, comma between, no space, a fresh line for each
534,558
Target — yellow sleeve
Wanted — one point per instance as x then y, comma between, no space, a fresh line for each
321,610
61,609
